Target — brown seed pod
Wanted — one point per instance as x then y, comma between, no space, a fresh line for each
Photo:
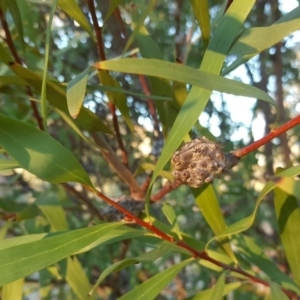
200,161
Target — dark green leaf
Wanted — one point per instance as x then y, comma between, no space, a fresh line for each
40,154
288,218
153,286
24,259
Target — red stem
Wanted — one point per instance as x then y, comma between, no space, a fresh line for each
202,255
274,133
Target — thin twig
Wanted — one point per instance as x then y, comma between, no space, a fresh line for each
166,189
17,58
112,107
151,105
85,200
202,255
124,173
274,133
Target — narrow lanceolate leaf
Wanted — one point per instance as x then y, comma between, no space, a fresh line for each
256,39
53,211
13,290
24,259
247,222
150,288
172,218
254,254
149,49
212,62
218,289
165,247
181,73
113,4
71,8
201,11
138,22
76,91
40,154
77,279
119,99
56,96
13,7
206,294
276,293
288,219
8,164
47,49
209,206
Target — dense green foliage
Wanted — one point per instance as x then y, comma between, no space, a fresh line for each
97,96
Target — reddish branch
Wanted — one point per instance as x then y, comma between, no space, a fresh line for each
274,133
17,58
166,189
202,255
112,107
151,105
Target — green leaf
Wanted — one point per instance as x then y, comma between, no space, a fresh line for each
150,288
206,294
47,49
4,54
4,228
138,22
147,166
11,80
288,218
113,4
169,213
40,154
209,206
120,265
53,211
56,96
201,11
76,91
8,164
218,290
163,248
119,99
247,222
120,90
277,293
288,185
197,99
77,279
181,73
149,49
13,7
24,259
13,290
255,255
71,8
116,235
255,40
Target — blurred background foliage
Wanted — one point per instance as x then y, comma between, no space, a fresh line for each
173,27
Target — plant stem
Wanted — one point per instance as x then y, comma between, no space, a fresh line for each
274,133
112,107
202,255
